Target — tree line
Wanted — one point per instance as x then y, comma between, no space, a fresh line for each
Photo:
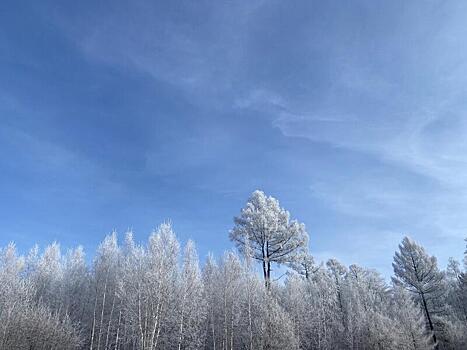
157,296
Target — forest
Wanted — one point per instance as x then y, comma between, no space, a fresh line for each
158,295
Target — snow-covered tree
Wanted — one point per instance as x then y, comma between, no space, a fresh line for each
191,302
269,233
278,329
75,284
149,297
410,332
47,276
304,264
25,321
418,272
104,293
211,280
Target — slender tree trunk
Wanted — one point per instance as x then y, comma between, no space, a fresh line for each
430,323
265,274
250,323
118,329
93,321
110,321
159,325
146,335
157,335
102,315
140,321
156,323
232,327
265,269
213,333
269,275
157,316
224,340
268,268
180,334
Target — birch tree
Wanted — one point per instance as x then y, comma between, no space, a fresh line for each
75,285
191,305
25,321
104,291
131,291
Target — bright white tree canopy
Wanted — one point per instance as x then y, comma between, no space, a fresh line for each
265,231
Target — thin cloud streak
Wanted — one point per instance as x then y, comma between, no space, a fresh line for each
351,114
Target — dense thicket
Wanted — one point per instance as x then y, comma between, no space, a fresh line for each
156,295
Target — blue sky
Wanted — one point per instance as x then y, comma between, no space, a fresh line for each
125,114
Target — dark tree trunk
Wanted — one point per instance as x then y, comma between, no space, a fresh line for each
265,274
430,323
266,267
268,279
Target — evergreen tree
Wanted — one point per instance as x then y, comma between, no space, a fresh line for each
418,272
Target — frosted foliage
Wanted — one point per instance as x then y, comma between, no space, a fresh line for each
265,232
268,228
418,272
156,296
415,269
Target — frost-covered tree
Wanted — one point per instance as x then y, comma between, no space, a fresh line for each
455,295
157,305
278,329
75,284
304,264
454,319
251,304
191,302
366,303
338,272
25,321
410,332
104,293
268,231
230,269
211,280
131,289
150,297
47,276
418,272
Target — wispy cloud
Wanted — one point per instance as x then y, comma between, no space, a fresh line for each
356,111
388,106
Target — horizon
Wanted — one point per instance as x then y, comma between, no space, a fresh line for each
121,115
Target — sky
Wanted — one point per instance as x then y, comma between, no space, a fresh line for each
117,115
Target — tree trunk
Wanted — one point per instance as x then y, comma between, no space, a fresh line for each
224,340
102,315
250,323
268,275
232,326
430,323
110,321
213,330
140,320
93,321
118,329
180,335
